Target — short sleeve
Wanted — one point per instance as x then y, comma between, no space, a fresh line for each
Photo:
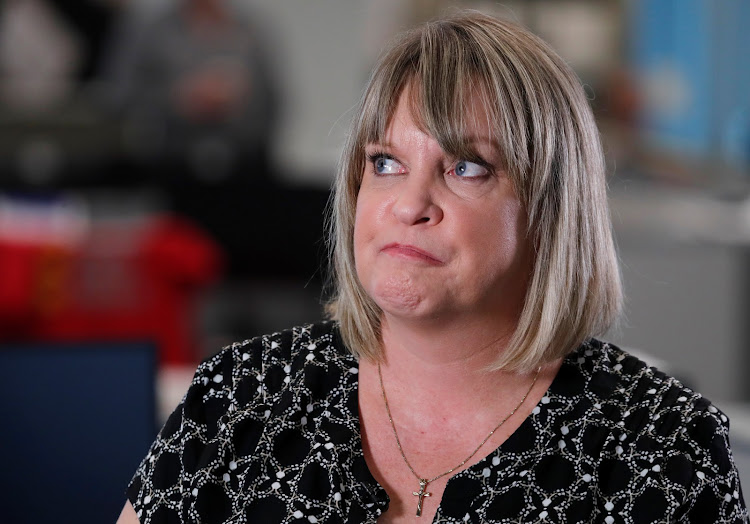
184,446
714,494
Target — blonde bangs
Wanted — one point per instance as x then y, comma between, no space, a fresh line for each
450,86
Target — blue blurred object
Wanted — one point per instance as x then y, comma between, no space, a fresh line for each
671,50
691,56
76,421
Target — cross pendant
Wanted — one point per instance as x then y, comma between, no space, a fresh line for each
421,494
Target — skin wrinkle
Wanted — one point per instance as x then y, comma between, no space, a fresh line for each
399,292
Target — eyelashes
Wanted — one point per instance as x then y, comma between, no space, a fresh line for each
384,164
473,167
377,156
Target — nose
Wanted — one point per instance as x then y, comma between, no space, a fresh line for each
415,202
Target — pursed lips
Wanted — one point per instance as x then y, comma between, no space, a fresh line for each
411,252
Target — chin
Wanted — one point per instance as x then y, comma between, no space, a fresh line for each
398,294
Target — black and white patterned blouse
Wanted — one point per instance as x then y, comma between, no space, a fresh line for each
269,432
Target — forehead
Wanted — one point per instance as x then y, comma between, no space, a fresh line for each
459,127
409,112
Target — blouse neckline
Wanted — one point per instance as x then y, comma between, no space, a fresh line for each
557,396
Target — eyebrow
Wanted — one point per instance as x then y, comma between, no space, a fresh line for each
471,140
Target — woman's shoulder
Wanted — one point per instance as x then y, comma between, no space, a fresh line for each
281,387
321,338
635,391
267,364
634,377
653,412
652,435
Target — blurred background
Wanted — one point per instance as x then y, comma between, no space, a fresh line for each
165,166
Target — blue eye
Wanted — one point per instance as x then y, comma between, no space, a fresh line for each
467,169
384,165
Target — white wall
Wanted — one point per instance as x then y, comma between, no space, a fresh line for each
323,51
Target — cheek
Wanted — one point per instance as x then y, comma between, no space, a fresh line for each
368,218
360,227
363,232
500,237
513,236
515,247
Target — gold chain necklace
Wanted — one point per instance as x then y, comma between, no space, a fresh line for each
423,482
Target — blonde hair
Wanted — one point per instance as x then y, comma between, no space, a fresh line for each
550,144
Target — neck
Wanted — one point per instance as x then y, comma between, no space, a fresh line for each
439,359
473,342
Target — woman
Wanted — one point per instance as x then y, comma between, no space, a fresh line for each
458,382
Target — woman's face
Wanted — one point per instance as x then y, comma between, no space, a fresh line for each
437,237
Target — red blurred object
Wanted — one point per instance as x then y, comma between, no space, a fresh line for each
127,279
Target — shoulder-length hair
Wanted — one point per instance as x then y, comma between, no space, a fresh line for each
547,136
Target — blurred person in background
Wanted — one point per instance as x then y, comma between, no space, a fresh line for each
192,80
197,97
39,56
459,380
